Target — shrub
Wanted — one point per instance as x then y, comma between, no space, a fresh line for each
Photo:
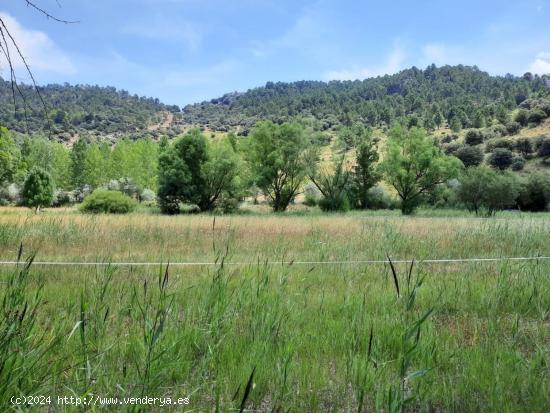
512,128
518,163
499,130
62,198
470,155
312,194
147,195
534,193
501,158
524,146
378,198
522,117
335,202
536,116
544,148
474,137
9,194
491,145
108,202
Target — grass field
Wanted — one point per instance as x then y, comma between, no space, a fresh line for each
463,337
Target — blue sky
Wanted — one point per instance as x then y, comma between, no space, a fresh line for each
184,51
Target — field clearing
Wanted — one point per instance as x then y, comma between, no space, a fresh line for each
462,337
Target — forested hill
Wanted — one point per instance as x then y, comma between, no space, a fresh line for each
452,94
81,109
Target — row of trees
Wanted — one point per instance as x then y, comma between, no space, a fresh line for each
278,159
85,164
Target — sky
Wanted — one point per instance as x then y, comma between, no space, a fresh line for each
187,51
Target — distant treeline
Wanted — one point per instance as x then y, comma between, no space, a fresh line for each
458,96
82,109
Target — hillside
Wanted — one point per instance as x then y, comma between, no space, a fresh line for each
460,94
81,109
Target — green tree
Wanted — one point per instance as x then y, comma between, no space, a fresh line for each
95,166
78,163
414,166
484,190
279,161
38,189
455,124
333,183
365,173
194,172
534,193
9,156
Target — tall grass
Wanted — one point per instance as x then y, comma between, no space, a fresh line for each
462,337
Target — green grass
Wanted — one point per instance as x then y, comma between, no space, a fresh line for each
462,337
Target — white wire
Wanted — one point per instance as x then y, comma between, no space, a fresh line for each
350,262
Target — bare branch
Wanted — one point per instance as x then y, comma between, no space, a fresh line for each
48,15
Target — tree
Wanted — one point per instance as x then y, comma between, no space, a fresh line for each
483,190
193,172
279,161
470,155
502,115
534,193
333,183
455,124
414,166
365,173
9,156
501,158
78,163
38,189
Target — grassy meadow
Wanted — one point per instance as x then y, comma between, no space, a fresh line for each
273,336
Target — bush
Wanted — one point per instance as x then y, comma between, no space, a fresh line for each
499,130
312,195
474,137
147,195
62,198
378,198
522,117
544,148
518,163
536,116
338,202
524,146
470,155
534,193
512,128
491,145
9,195
108,202
501,158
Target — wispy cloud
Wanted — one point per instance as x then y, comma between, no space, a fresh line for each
212,74
40,52
394,62
541,64
442,54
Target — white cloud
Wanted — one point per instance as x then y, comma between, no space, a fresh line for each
394,62
40,52
541,64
